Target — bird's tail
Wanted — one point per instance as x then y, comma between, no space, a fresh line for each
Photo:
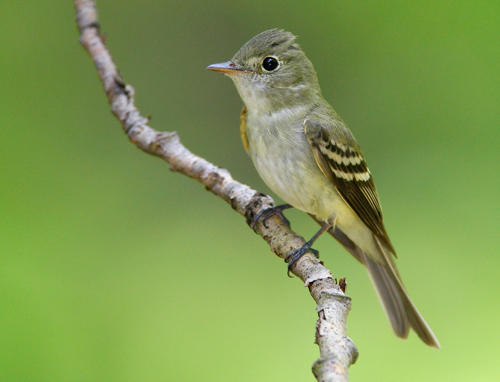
400,310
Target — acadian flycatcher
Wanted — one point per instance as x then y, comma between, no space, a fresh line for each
306,154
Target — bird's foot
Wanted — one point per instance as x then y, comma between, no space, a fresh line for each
292,258
267,213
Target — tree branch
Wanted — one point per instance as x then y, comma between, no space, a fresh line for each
337,351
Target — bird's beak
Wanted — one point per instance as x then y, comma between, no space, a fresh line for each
225,67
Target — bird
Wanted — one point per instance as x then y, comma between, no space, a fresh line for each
307,155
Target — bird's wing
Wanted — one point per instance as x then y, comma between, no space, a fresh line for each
243,128
341,160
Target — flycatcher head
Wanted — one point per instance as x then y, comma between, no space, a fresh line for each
271,72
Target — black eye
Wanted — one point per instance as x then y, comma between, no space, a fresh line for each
270,64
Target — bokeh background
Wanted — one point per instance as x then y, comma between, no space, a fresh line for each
113,268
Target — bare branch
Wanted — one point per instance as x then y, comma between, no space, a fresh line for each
337,351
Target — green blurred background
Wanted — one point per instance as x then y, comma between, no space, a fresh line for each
113,268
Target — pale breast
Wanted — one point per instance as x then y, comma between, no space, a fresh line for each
284,160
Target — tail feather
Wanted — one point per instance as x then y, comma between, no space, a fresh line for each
390,283
399,308
390,296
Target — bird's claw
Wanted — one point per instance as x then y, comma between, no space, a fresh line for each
293,257
267,213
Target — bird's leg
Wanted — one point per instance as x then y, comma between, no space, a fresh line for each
267,213
292,258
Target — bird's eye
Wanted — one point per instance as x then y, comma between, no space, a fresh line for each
270,63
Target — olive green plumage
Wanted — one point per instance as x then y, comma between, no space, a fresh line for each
306,154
